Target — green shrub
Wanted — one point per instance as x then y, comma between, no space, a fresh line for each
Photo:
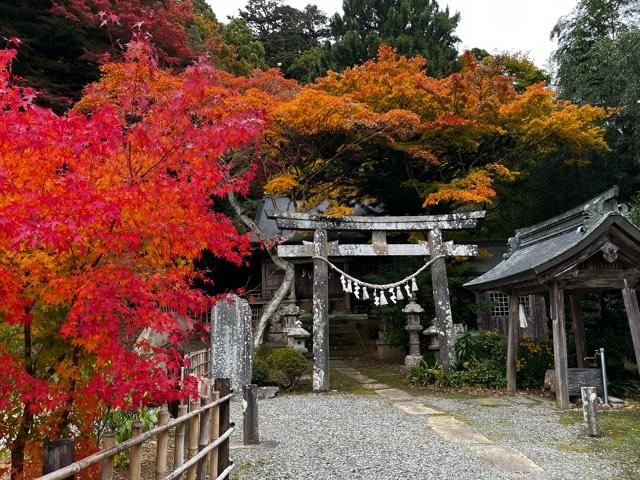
482,358
282,367
534,358
483,373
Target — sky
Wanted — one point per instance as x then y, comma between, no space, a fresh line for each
494,25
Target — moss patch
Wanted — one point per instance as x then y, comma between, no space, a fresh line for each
620,439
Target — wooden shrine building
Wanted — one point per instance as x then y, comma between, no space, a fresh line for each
591,248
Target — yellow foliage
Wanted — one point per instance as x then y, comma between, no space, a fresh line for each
338,211
476,187
281,185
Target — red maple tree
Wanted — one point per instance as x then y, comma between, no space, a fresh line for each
103,211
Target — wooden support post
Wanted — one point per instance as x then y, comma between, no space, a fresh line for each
178,448
194,423
58,454
203,439
215,433
444,318
106,466
223,387
577,322
320,314
135,455
512,341
590,410
559,345
633,315
162,445
250,435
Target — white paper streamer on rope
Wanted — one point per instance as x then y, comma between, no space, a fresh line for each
353,285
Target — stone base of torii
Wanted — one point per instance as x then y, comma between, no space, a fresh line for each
321,249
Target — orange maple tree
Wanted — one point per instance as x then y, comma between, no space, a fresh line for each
385,131
102,213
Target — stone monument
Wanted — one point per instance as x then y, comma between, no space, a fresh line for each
232,341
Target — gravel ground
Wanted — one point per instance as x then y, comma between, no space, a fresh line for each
326,437
535,431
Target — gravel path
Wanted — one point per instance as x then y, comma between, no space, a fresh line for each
534,430
327,437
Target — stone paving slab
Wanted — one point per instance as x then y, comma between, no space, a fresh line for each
454,430
395,395
505,459
376,386
413,408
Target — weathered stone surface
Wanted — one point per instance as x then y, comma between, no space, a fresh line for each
505,459
231,341
395,395
413,408
454,430
265,393
376,386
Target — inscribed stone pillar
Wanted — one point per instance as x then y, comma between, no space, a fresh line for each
231,341
320,313
444,318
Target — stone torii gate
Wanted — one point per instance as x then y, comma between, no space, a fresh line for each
378,226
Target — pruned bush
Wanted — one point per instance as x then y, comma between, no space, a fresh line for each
283,367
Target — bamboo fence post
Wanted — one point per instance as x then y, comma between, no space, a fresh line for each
215,433
193,437
203,439
135,460
162,444
178,448
106,466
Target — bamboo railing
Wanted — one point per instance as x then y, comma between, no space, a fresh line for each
201,442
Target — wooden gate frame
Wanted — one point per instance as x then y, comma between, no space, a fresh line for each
378,226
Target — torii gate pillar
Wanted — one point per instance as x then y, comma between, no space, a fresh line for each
320,313
441,300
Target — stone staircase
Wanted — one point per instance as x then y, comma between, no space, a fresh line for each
344,338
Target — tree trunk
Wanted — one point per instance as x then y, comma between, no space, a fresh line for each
284,288
18,445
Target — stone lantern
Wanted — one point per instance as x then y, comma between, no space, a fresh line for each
412,314
433,343
292,327
284,320
296,338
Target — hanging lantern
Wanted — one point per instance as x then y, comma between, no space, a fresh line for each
383,299
392,295
365,294
356,290
349,288
344,282
414,285
399,294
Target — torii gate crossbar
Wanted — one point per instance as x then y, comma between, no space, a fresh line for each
378,226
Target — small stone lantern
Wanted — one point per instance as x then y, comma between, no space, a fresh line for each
433,344
412,314
296,338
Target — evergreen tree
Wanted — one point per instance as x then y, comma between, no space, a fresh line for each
413,27
286,32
